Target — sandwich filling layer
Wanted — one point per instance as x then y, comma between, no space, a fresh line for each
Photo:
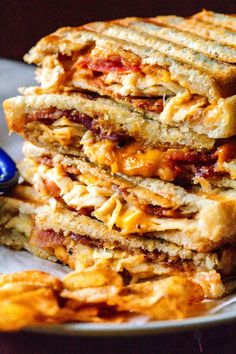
123,154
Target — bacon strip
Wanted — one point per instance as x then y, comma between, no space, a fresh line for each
113,63
48,116
46,238
148,104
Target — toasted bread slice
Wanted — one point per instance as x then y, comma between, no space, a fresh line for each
172,31
153,35
205,30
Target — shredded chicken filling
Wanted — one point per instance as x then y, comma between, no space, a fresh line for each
89,196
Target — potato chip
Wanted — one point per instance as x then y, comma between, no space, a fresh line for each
15,316
43,301
94,313
84,314
26,308
8,290
211,283
31,277
91,295
92,277
168,298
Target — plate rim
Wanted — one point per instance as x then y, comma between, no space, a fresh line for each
132,329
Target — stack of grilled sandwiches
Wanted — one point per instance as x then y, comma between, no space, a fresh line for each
130,159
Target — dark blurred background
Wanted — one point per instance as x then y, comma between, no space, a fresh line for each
22,23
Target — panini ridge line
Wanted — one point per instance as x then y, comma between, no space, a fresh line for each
206,30
165,28
217,19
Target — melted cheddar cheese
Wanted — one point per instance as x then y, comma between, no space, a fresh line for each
131,159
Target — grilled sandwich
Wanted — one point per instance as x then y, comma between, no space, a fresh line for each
146,58
133,162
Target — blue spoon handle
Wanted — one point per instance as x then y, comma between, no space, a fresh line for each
8,172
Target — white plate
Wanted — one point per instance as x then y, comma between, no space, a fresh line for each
12,76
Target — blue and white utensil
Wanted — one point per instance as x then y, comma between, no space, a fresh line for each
9,174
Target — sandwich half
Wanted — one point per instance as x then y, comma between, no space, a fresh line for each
134,206
142,97
149,58
121,139
49,230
